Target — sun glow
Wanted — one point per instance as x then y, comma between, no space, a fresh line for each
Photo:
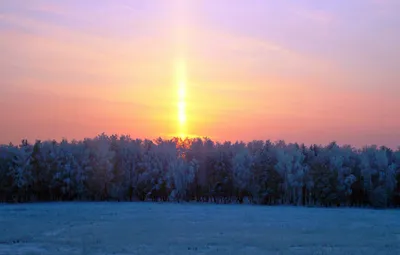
181,79
181,113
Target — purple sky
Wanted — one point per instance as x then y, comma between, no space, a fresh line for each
306,71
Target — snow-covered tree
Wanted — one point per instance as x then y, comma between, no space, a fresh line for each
379,175
101,166
120,168
19,171
241,167
180,176
266,182
291,167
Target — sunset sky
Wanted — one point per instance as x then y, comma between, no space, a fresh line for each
302,71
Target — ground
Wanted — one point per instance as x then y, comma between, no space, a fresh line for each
151,228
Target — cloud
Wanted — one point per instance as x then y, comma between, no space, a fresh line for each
255,54
385,7
383,2
58,45
51,7
319,17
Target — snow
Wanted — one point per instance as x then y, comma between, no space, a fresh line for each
167,228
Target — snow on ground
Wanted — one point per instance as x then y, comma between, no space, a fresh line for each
151,228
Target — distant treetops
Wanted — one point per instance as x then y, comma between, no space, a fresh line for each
125,169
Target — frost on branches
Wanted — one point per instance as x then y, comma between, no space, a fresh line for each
124,169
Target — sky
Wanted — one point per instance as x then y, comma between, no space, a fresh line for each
306,71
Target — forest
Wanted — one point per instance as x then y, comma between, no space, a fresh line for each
119,168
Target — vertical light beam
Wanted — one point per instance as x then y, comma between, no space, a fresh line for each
181,78
180,23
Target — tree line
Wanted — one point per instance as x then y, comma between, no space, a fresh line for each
119,168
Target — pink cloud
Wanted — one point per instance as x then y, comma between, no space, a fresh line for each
52,8
318,17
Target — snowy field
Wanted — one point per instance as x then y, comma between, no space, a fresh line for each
150,228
